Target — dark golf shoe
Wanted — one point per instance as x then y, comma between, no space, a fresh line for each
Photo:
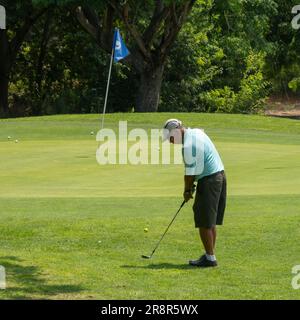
196,262
203,262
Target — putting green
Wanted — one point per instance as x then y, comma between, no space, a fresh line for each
72,229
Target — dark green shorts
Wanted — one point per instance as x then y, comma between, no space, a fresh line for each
210,201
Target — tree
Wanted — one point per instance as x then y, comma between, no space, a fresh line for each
60,70
283,62
193,63
151,29
21,16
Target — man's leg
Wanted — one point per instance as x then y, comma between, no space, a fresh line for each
214,231
206,217
208,239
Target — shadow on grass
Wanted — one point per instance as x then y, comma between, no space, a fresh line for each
162,266
29,283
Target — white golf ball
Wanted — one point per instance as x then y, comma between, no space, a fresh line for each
92,133
9,137
16,141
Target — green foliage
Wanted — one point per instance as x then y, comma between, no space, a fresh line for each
217,64
249,98
283,62
254,87
228,57
73,73
294,85
219,100
193,63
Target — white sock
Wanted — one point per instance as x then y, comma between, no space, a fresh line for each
211,257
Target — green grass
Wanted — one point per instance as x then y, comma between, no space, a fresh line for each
71,229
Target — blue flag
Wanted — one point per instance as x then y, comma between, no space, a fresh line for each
120,49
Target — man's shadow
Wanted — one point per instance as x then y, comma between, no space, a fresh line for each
29,282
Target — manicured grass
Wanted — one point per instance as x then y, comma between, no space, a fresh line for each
71,229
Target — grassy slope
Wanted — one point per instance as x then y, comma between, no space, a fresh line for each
57,204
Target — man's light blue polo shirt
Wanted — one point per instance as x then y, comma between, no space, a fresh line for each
200,156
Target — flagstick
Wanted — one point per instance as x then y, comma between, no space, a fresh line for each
107,88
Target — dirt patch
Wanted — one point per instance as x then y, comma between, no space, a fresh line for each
288,107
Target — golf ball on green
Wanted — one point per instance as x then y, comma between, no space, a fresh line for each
16,141
146,230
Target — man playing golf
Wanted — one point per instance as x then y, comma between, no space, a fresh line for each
203,166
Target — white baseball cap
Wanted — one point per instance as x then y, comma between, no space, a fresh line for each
170,125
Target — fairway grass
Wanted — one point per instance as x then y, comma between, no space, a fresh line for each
71,229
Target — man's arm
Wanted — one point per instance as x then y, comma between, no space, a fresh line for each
188,187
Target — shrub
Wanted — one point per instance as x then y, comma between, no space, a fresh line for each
250,97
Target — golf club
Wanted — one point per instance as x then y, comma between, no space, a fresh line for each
149,257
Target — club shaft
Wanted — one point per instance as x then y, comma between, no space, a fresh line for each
167,228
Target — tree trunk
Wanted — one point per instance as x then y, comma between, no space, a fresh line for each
149,90
4,112
40,93
4,73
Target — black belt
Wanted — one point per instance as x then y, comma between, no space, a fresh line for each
214,174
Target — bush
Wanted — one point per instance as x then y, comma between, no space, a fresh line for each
294,85
254,88
219,100
250,97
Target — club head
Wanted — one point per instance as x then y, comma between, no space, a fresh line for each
146,257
